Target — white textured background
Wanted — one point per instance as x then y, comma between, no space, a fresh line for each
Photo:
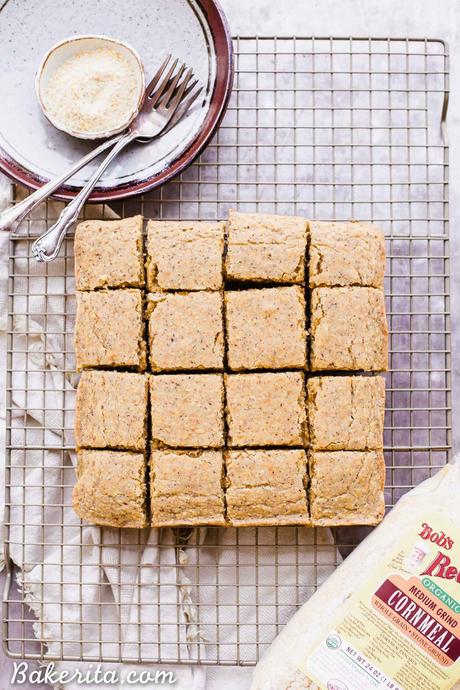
397,18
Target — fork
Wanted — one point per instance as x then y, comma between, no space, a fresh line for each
167,98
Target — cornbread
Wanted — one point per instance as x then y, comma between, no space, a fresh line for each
348,329
266,328
344,254
266,409
187,410
111,488
111,410
236,434
184,255
186,331
266,248
346,412
109,329
346,487
186,487
109,253
266,487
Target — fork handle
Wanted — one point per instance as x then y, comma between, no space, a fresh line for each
47,246
11,217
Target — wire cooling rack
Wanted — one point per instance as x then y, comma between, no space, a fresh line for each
326,128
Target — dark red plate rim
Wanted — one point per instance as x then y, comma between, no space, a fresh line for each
222,89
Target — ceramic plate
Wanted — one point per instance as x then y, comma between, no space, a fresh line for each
32,151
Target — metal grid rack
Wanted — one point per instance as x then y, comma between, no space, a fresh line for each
327,128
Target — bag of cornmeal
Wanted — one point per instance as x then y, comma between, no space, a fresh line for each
389,616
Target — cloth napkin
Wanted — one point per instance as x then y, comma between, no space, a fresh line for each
61,564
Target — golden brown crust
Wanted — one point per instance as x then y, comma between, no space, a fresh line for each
348,329
111,410
184,255
344,254
187,410
109,253
346,487
346,412
266,328
186,331
266,409
111,488
266,248
109,329
266,487
186,488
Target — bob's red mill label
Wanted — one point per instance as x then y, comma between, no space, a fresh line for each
401,631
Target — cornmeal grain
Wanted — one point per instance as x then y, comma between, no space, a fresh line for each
346,487
111,488
111,410
186,331
109,329
109,253
348,329
184,255
344,254
264,247
187,410
186,488
266,328
266,487
346,412
266,409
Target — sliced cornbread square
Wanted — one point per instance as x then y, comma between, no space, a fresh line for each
266,248
186,487
109,253
111,410
187,410
111,488
266,487
266,328
184,255
346,487
348,329
186,331
343,254
109,329
346,412
266,409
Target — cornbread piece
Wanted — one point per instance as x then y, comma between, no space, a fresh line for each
344,254
346,487
346,412
111,488
109,329
187,410
186,331
348,329
266,328
184,255
186,488
266,409
111,410
266,248
109,254
266,487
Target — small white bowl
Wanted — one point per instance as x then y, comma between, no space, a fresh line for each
70,46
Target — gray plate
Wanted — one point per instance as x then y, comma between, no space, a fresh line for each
152,27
